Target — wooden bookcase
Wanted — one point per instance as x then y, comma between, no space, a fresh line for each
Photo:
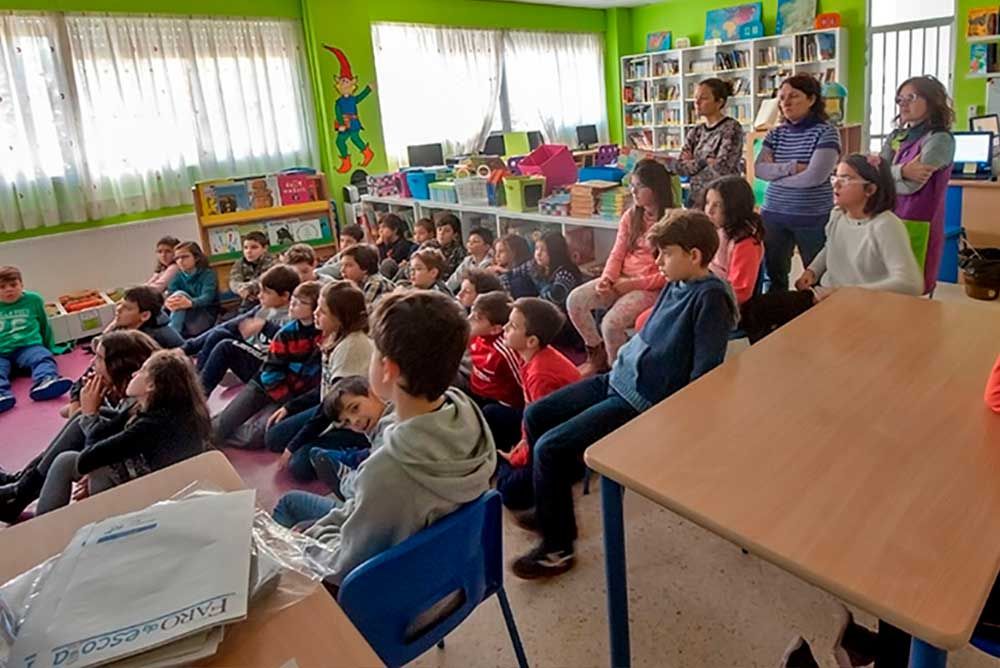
222,263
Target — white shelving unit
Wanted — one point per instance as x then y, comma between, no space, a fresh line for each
657,88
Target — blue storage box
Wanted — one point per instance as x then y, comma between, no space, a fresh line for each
419,181
601,174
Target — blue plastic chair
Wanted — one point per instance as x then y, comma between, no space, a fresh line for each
985,645
410,597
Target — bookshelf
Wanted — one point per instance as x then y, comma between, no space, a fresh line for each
658,87
288,208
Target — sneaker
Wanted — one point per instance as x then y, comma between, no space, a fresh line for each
798,655
50,388
330,469
7,402
855,645
543,563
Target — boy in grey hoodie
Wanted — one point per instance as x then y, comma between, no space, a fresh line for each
439,454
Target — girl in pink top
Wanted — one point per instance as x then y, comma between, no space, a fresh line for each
165,268
729,204
993,388
631,281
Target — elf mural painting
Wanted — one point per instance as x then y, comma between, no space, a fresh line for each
346,122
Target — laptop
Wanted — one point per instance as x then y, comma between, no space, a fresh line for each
973,156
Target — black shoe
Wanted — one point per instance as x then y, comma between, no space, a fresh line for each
543,563
856,645
8,478
798,655
16,496
329,469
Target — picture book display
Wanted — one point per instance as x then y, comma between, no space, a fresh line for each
982,22
221,196
795,16
732,23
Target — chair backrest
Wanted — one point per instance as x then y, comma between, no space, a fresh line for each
514,162
516,143
919,232
409,597
607,154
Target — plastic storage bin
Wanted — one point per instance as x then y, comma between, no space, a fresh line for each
383,185
401,185
419,181
475,191
443,191
554,162
524,192
602,174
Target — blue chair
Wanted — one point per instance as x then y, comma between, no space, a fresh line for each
986,645
410,597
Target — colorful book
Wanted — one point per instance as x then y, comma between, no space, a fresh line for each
982,22
795,16
222,240
263,192
827,43
979,58
658,41
232,197
297,188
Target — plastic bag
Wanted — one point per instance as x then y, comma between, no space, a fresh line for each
286,567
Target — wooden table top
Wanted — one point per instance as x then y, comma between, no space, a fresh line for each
315,632
852,448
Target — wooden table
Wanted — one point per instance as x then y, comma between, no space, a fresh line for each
852,448
315,632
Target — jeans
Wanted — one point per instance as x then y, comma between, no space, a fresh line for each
250,401
191,322
280,435
241,358
515,485
559,428
504,423
780,240
297,506
60,478
300,465
37,359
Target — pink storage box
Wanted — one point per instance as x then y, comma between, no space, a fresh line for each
383,185
401,184
554,162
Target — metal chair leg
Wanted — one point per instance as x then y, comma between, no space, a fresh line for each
586,481
515,638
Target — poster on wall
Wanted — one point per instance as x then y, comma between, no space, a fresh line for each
795,16
658,41
732,23
347,123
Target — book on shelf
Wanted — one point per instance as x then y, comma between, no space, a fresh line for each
297,188
702,66
826,43
982,22
767,114
640,139
982,58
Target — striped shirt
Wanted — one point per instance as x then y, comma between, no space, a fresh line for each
293,364
796,142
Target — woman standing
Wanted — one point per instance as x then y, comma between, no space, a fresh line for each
797,158
921,151
714,147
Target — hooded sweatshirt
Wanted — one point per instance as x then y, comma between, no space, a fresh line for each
436,462
158,328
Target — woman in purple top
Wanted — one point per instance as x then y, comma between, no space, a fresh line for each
921,151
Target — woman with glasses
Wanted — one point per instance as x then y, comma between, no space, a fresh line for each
797,159
921,150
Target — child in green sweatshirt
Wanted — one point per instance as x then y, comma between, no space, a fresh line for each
26,342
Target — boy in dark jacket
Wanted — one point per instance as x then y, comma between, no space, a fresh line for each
685,337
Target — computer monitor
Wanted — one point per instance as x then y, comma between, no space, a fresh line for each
973,155
494,144
987,123
425,155
535,139
586,135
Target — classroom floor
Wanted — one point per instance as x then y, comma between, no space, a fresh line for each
696,601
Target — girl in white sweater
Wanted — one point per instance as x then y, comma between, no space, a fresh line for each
867,246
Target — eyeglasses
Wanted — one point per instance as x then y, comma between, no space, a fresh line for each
907,99
845,180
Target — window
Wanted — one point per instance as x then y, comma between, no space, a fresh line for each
454,86
907,40
121,114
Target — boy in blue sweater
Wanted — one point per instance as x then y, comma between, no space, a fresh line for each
684,338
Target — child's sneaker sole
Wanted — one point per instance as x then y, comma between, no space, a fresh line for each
7,402
51,389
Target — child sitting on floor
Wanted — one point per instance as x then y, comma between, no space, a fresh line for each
244,276
513,266
729,204
533,325
302,258
480,248
351,235
866,246
691,319
194,298
496,369
438,456
165,268
449,237
170,424
426,267
240,345
26,342
552,272
291,368
342,318
477,282
359,264
392,242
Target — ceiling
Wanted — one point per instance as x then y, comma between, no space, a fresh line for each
592,4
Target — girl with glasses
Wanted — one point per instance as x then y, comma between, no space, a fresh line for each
921,150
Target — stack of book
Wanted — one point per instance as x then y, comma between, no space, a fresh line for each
585,197
614,202
556,204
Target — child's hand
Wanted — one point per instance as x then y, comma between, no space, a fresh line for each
91,395
276,417
505,455
806,280
285,458
81,489
604,285
250,327
622,285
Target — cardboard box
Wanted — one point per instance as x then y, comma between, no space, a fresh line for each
79,325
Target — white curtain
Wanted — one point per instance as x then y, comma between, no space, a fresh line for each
436,85
556,79
144,106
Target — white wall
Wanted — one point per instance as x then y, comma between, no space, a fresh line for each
103,258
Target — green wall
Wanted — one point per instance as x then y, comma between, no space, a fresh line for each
687,19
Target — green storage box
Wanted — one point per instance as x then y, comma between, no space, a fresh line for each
524,192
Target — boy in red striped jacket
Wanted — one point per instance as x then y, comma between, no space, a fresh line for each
496,369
